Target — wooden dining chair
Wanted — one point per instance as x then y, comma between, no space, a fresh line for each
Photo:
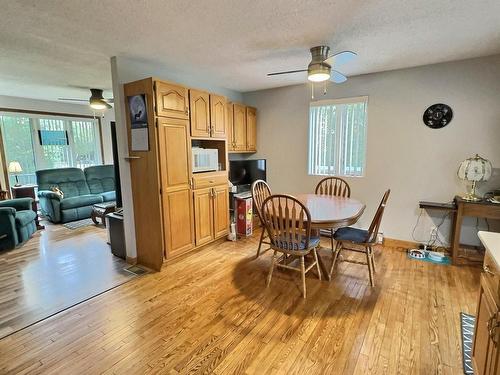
288,225
365,238
260,191
333,186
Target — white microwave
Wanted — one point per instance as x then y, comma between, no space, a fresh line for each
205,159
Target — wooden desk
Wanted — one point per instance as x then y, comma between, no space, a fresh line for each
482,209
458,209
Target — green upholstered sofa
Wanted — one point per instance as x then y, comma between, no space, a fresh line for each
17,222
81,188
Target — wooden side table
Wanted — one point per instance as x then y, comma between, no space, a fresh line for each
28,191
100,210
458,209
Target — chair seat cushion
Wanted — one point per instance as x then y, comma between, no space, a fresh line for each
351,234
24,217
313,242
80,201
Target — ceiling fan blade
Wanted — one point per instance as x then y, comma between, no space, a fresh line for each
287,72
341,58
73,100
110,100
337,77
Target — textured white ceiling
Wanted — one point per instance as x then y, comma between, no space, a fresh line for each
52,48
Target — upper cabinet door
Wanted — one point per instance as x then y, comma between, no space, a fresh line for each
230,127
171,100
240,127
251,129
218,116
175,151
200,113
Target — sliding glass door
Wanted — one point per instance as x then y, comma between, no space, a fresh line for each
42,142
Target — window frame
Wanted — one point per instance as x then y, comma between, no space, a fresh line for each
338,101
44,114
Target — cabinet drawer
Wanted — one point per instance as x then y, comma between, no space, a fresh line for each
492,275
204,181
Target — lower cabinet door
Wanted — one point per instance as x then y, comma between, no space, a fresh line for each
203,216
178,219
221,210
485,352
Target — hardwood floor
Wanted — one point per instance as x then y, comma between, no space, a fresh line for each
210,312
55,269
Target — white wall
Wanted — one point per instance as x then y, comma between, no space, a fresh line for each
61,107
416,162
124,70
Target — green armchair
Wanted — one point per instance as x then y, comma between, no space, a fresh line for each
17,222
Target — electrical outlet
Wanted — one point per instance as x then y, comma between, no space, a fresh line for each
380,237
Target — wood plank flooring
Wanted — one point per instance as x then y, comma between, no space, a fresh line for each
55,269
210,312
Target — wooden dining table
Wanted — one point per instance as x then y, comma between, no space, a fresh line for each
330,212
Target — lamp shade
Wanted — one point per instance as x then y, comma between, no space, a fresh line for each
474,169
15,167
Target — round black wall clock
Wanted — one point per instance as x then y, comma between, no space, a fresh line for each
437,116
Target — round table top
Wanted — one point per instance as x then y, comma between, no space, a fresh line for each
331,212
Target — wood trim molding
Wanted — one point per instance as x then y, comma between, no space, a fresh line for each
393,242
131,260
15,110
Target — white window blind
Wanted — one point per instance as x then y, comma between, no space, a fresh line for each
337,137
69,142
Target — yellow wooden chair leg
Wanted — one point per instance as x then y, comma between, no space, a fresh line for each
317,263
260,242
303,271
270,275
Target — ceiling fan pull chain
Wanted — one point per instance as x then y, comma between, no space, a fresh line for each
324,88
312,90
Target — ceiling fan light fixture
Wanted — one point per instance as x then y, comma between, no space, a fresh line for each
318,73
97,101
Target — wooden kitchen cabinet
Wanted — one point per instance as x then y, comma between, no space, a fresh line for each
211,211
218,116
199,104
171,100
175,180
486,352
178,222
204,215
221,210
239,127
242,125
251,119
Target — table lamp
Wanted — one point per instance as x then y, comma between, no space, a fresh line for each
15,167
474,169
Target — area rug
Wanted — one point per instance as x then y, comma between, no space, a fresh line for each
467,323
78,224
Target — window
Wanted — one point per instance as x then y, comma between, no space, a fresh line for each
337,137
40,142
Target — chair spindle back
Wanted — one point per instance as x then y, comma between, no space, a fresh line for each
260,191
377,219
287,221
333,186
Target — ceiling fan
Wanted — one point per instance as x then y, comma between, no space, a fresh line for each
96,100
321,67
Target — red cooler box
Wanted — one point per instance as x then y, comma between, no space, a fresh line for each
244,216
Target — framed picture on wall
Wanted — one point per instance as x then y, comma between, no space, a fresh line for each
139,132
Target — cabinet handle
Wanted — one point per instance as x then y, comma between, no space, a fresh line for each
187,111
191,183
492,327
486,269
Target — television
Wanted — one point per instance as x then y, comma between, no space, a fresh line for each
245,172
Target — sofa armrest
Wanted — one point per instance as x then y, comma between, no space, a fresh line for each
48,194
18,203
6,211
8,233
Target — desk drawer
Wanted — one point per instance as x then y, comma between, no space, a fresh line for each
492,275
210,180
